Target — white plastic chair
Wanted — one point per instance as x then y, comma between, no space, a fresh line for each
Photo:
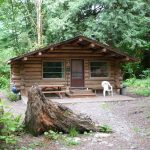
107,88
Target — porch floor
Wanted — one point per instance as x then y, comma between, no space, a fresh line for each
97,98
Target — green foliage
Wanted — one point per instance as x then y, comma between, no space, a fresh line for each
32,146
139,86
52,135
73,132
9,126
137,129
105,129
122,24
145,73
3,82
70,141
141,92
11,96
129,82
104,105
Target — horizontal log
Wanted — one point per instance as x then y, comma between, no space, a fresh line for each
15,72
33,62
38,65
15,66
30,84
32,74
31,58
33,69
33,78
16,78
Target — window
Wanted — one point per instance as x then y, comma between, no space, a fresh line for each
99,69
53,70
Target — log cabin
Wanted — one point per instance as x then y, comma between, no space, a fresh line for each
79,62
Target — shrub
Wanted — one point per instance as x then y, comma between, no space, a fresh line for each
11,96
139,86
145,73
71,141
52,135
129,82
9,126
141,92
105,129
73,132
3,82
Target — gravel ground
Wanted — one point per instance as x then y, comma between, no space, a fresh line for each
129,120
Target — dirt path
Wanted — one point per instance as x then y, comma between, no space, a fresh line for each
130,121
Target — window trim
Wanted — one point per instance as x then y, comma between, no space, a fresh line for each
108,69
62,61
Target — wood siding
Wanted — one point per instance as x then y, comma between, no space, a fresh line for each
26,73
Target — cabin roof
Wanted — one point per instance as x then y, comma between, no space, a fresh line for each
81,41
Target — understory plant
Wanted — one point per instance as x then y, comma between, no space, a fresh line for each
3,82
73,132
52,135
105,128
12,96
67,139
9,126
139,86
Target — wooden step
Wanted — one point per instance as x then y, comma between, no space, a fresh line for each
84,92
80,95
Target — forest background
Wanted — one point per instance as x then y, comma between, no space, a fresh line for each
26,25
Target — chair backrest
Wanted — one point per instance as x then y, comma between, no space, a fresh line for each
106,85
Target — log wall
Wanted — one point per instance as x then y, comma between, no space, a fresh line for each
26,73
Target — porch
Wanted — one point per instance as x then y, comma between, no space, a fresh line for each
95,99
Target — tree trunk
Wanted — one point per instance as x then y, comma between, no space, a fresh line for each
43,115
38,4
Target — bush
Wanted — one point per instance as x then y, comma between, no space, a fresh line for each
9,126
3,82
11,96
73,132
141,92
139,86
145,73
52,135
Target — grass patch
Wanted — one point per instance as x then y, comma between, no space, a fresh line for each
52,135
70,141
73,132
140,92
138,86
104,105
12,97
137,129
105,129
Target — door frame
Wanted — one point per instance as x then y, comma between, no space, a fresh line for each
82,72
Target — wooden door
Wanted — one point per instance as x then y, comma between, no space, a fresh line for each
77,73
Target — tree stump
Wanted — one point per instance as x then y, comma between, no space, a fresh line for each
42,115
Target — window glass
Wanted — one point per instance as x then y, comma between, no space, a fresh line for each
53,70
99,69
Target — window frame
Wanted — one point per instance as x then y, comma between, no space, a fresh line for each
62,61
108,69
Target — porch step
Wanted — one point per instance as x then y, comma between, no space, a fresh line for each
80,93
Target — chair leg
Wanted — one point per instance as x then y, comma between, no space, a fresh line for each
112,93
104,93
